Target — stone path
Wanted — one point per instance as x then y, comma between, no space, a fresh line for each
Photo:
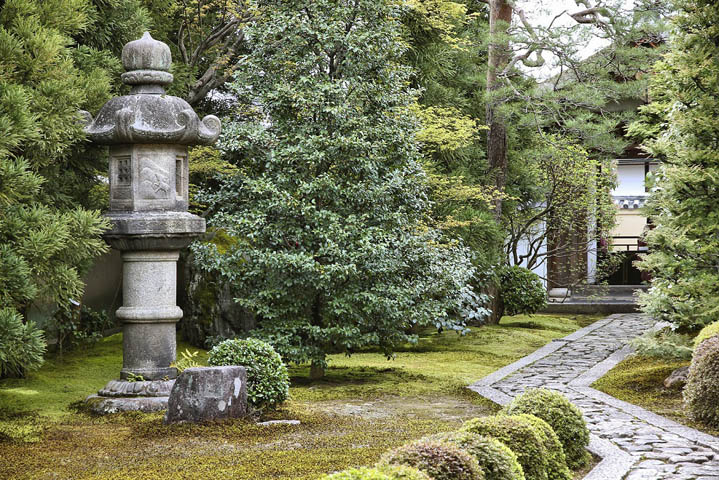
634,443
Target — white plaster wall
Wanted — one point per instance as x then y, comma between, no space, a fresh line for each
540,269
630,179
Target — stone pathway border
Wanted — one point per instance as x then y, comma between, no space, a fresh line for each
617,463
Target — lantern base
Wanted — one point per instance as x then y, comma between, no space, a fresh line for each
123,396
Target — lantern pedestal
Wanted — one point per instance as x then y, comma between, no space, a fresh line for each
148,133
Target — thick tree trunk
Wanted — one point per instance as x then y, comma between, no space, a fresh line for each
500,16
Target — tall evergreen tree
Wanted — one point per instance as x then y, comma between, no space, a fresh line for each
46,239
332,252
683,125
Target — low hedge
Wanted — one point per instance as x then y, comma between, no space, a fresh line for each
495,459
521,435
439,460
565,419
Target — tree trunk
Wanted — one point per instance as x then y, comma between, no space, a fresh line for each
317,371
500,17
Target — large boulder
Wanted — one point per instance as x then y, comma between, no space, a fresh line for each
204,394
209,307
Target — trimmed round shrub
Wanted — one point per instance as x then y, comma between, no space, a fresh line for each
556,460
387,472
268,382
439,460
495,459
565,419
522,291
521,436
709,331
701,393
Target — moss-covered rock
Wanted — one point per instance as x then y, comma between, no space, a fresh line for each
565,419
208,304
387,472
709,331
439,460
495,459
521,435
701,393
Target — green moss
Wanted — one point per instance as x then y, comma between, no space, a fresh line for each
640,380
364,407
707,332
222,240
440,363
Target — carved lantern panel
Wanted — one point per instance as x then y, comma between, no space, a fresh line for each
148,178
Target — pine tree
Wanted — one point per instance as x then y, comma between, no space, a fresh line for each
46,239
331,252
682,123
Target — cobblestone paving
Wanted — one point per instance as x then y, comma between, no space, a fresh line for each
660,448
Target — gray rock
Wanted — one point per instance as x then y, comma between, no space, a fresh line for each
677,379
208,393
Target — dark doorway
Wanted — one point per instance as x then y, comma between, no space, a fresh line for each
627,273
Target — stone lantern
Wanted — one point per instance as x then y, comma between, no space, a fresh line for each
148,133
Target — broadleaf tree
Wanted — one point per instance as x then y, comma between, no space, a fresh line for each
333,253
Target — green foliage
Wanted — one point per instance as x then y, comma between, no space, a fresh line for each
134,377
565,419
709,331
553,192
680,128
187,360
77,326
22,345
495,459
701,393
664,343
439,460
522,436
521,290
268,383
388,472
333,252
556,460
47,240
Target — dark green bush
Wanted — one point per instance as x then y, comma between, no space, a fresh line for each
521,435
268,382
565,419
78,326
22,345
495,459
439,460
522,291
701,394
387,472
556,460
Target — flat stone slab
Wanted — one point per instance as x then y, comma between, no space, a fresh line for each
634,444
205,394
108,405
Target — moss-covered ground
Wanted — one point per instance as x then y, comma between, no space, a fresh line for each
365,405
640,380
